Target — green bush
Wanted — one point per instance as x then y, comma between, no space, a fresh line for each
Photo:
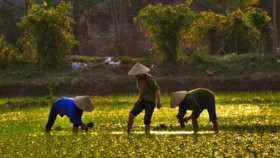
198,57
8,53
166,28
260,21
242,31
207,31
243,37
218,34
49,28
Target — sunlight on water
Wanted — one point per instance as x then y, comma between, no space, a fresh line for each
241,109
180,132
168,132
171,132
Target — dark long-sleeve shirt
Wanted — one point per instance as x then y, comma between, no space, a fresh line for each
66,106
196,100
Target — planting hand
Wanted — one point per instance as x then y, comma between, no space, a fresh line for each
186,119
181,120
182,123
84,127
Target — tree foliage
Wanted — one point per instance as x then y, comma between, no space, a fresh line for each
8,53
50,35
260,21
242,31
166,27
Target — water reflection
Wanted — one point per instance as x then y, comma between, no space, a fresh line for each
167,132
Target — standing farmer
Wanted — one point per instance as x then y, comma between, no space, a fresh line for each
196,100
149,92
72,108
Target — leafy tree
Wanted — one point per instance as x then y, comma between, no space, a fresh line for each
208,32
49,29
166,28
260,21
243,38
8,53
240,32
240,29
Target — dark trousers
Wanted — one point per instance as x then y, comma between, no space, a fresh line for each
139,106
212,111
52,117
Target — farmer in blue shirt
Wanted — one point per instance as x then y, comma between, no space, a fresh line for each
73,108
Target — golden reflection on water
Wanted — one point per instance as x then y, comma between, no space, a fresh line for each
167,132
241,109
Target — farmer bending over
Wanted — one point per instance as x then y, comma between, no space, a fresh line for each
71,107
149,92
196,100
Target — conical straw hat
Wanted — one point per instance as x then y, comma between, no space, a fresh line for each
177,98
138,69
84,103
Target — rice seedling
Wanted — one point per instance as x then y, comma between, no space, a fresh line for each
249,127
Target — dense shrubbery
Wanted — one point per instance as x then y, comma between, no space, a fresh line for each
207,30
49,30
243,38
8,53
242,31
260,21
169,29
166,27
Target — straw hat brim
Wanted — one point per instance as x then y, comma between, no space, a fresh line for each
138,69
177,98
84,103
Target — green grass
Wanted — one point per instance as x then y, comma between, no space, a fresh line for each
249,127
